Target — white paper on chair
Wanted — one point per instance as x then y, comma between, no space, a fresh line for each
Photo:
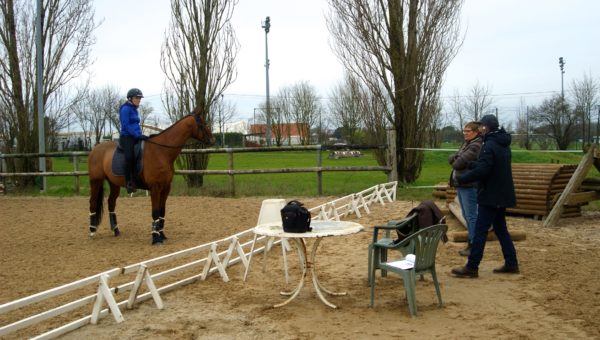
407,263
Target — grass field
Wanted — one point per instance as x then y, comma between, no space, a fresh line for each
435,170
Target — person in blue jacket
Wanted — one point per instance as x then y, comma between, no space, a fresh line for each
131,133
496,192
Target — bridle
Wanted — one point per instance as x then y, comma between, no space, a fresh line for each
200,126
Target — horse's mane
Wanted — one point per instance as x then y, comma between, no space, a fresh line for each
172,125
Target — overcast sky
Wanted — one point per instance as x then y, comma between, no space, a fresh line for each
511,46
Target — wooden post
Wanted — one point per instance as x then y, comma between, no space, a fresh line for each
76,168
319,172
392,157
231,175
582,169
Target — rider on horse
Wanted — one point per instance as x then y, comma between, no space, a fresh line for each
131,133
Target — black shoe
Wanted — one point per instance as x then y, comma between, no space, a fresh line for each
507,270
130,188
465,272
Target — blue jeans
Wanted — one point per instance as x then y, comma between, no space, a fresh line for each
467,197
489,215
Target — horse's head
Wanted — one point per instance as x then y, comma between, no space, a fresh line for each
202,133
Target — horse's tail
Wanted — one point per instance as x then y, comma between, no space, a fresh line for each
100,204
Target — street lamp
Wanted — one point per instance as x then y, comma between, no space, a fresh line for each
561,63
267,26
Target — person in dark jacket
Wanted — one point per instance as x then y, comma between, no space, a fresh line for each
466,192
131,134
496,192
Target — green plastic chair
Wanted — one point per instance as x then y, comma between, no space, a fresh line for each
425,244
387,242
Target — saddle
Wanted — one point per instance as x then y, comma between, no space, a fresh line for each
118,163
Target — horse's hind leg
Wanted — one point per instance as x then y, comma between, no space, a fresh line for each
96,204
112,204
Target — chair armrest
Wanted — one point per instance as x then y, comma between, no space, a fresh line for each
393,225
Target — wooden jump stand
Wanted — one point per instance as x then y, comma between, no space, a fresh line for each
579,190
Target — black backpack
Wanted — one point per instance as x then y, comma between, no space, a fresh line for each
295,218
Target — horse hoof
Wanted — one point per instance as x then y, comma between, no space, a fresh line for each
92,234
117,231
157,243
162,236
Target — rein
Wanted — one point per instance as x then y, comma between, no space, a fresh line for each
166,146
199,124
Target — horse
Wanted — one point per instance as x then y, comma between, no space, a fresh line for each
159,154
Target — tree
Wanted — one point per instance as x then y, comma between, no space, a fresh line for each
478,102
198,59
223,113
585,93
66,43
345,108
305,109
399,50
556,120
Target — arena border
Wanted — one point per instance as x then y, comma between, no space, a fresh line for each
215,261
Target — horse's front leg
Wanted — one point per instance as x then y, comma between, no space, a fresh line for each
115,190
157,219
162,211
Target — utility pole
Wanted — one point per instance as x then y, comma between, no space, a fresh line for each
267,26
222,127
561,63
39,50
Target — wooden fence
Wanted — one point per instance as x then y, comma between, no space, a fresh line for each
201,261
231,172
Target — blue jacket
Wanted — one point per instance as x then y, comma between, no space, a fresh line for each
493,171
130,120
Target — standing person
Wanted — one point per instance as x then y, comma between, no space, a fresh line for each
496,193
467,192
131,133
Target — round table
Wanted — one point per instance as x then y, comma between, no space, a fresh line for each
320,230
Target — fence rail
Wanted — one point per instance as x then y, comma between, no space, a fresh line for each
230,171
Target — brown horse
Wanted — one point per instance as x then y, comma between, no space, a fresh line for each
159,154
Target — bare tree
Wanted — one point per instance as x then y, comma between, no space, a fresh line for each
556,120
524,126
478,102
66,41
198,59
305,109
457,109
111,98
399,50
282,117
345,108
223,112
585,92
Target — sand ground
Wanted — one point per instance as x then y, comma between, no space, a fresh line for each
556,296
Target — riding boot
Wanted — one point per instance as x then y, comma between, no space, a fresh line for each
130,184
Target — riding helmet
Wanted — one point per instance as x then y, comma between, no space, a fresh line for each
134,92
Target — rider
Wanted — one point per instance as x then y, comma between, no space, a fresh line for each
131,133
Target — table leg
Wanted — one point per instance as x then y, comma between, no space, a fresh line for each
301,248
318,286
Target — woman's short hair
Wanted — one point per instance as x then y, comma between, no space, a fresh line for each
473,126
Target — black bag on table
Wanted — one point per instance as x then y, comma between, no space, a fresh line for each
295,218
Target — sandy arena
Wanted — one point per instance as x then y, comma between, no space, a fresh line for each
556,296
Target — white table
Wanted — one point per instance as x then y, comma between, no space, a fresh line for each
320,230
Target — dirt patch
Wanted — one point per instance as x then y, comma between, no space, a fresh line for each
556,296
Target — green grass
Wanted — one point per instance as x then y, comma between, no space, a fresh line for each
435,170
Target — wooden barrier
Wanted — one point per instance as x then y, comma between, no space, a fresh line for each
230,171
219,255
536,186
